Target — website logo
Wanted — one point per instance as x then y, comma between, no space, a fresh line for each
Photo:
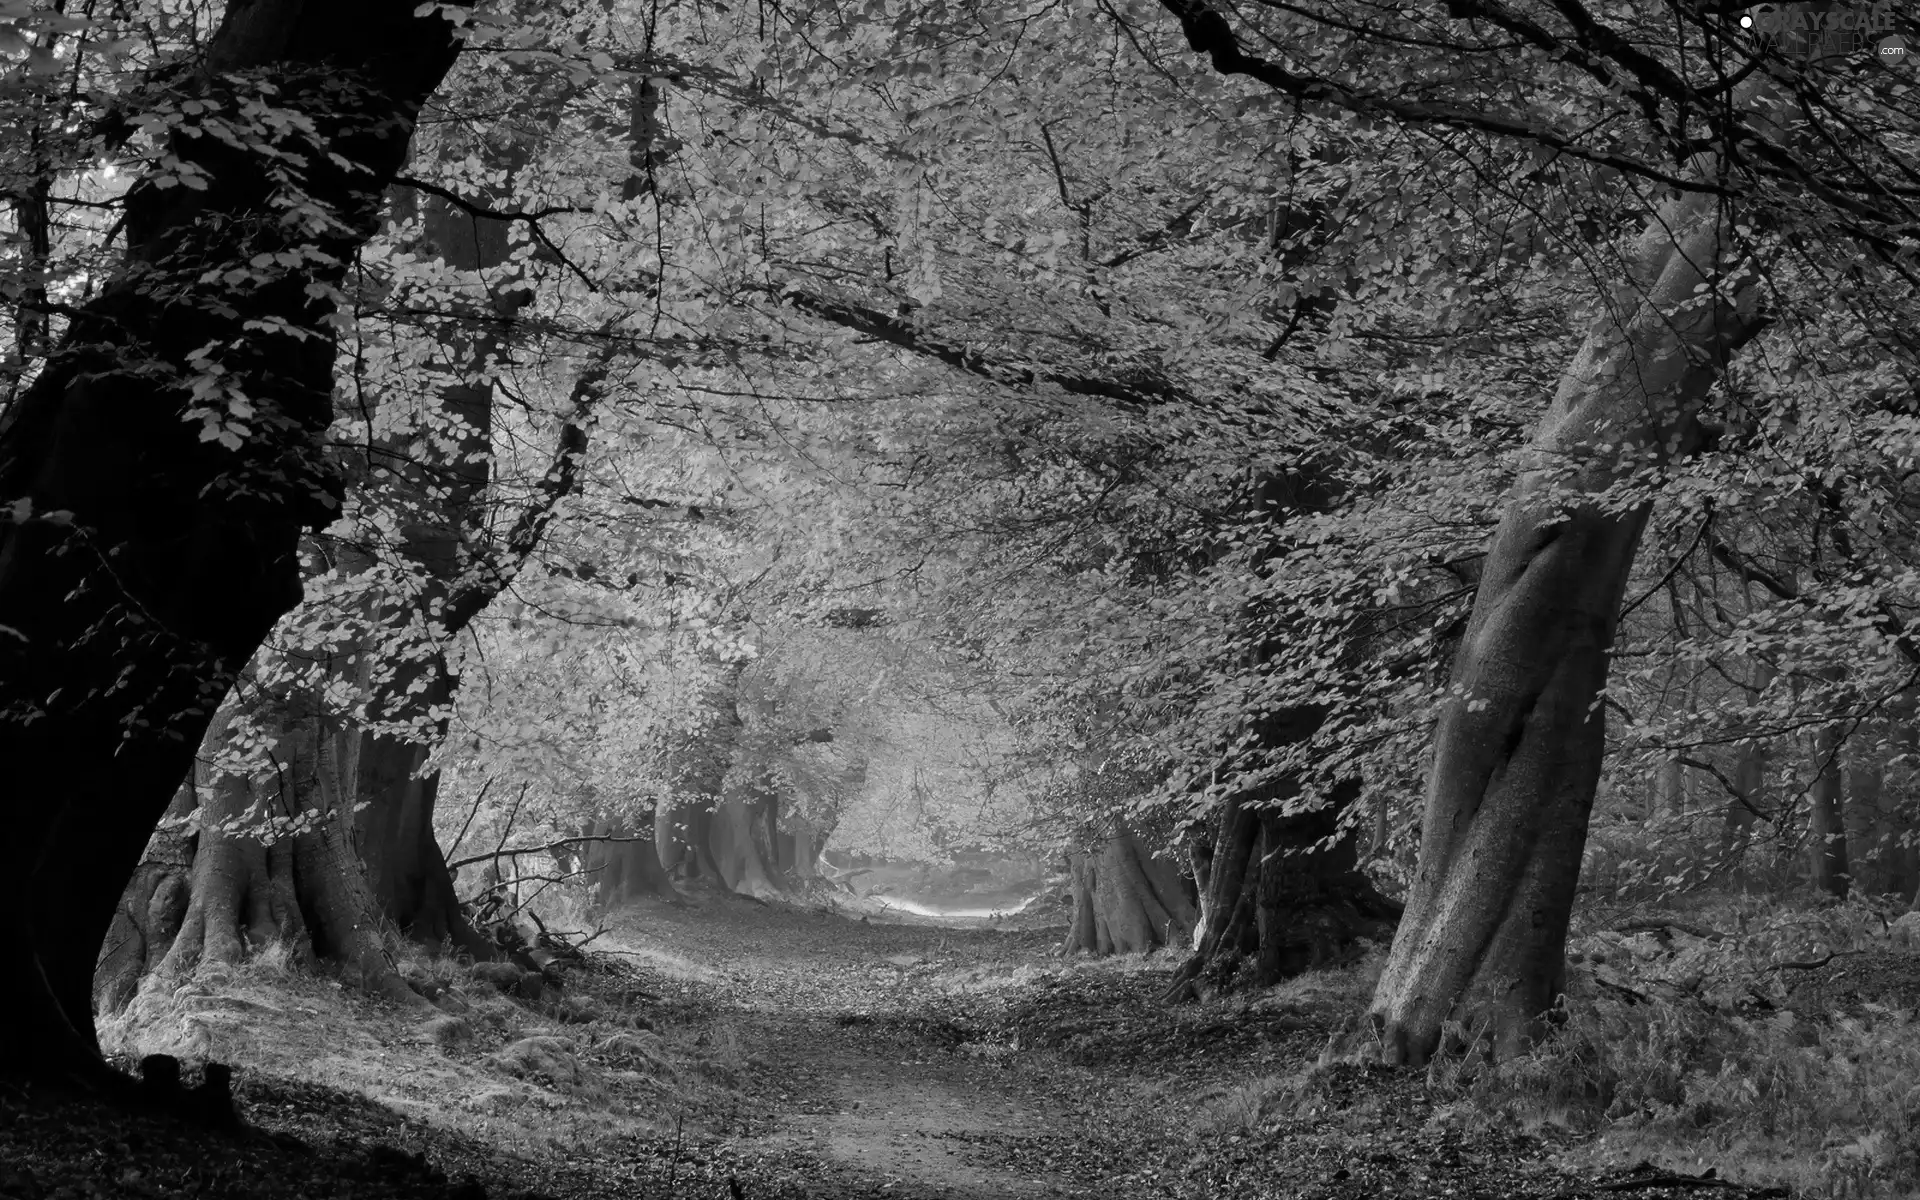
1848,29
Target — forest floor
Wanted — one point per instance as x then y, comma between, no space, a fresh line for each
732,1050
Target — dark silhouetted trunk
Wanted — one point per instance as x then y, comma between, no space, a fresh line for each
680,839
1826,818
1749,780
1870,857
440,482
622,871
405,866
1279,892
163,533
1284,894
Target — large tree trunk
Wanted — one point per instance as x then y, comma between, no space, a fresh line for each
128,618
1284,894
681,837
438,482
740,837
1750,781
1519,744
722,823
152,907
405,866
263,875
1127,900
1283,891
1314,903
619,872
797,851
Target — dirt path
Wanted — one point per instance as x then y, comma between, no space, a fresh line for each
827,1010
920,1127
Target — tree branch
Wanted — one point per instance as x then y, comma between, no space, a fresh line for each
561,478
549,848
481,210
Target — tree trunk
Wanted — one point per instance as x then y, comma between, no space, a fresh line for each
621,872
798,850
1749,779
1226,905
152,907
1518,748
241,887
1199,843
438,482
1826,819
1127,900
681,831
1870,841
1670,792
1314,903
264,874
405,866
201,532
721,823
740,842
1286,895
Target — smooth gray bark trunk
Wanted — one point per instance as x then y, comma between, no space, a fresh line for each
1519,745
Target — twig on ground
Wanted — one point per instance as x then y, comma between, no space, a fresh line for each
1657,926
1670,1181
1633,996
1812,964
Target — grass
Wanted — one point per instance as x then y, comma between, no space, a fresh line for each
525,1077
1723,1051
1729,1051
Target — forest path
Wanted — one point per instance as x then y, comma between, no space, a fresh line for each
895,1060
838,1021
909,1123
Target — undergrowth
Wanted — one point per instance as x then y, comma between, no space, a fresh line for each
1785,1045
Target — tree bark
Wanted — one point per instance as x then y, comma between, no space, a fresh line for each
263,873
1226,910
1286,894
681,831
740,839
1519,745
153,906
1750,780
1670,792
1826,818
1127,900
128,618
798,851
1314,903
621,872
406,869
241,886
438,484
